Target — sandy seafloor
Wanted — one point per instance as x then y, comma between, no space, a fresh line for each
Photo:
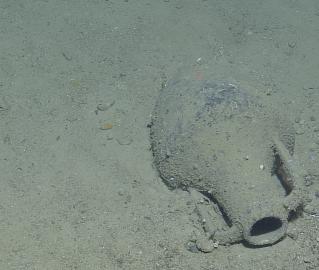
78,188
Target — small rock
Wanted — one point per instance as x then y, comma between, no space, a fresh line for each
307,259
4,107
191,246
206,245
106,126
124,140
308,180
300,130
104,107
109,138
199,61
310,209
293,234
67,56
292,44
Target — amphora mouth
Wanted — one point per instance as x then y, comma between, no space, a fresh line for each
266,230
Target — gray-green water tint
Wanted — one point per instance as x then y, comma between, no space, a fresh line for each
74,195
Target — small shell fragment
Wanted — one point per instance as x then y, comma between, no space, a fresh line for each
106,126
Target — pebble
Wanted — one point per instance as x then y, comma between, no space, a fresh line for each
106,126
293,234
292,44
191,246
307,260
300,130
206,245
109,138
104,107
308,181
199,61
124,141
4,107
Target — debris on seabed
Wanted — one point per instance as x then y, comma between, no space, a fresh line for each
105,106
106,126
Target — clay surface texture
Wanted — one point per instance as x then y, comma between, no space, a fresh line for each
219,139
